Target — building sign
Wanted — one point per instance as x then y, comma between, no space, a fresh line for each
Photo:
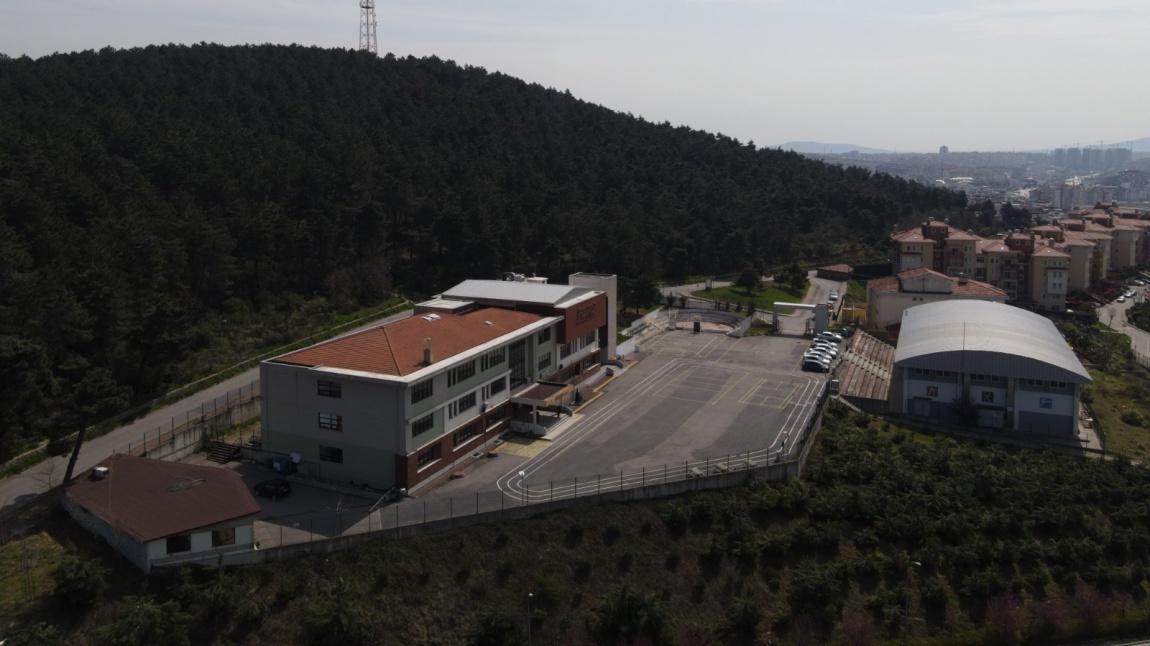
1045,402
584,318
988,396
932,391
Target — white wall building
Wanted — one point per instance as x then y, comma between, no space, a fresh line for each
989,365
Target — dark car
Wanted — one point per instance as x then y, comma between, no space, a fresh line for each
275,489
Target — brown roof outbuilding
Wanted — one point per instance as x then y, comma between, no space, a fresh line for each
151,499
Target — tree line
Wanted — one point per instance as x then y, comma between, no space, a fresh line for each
152,198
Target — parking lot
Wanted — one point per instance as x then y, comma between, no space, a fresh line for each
693,396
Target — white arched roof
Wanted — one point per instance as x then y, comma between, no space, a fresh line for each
985,337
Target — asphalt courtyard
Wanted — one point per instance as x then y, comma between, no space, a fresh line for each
692,397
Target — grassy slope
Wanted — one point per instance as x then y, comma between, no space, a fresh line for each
1010,542
762,299
1114,393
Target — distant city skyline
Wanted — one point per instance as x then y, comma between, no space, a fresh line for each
894,74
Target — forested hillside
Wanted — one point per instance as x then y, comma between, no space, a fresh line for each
151,198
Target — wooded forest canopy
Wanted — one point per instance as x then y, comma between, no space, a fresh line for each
145,193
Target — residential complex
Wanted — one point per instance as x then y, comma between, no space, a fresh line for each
399,403
986,364
1037,268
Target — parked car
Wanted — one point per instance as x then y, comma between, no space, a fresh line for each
1121,299
1129,293
829,336
275,488
815,366
817,356
825,345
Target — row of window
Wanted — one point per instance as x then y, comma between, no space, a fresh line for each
990,378
183,543
461,405
923,372
492,359
422,390
545,361
466,433
460,373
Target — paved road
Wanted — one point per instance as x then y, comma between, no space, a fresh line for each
39,478
1113,314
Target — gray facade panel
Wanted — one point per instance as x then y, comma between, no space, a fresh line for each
1053,425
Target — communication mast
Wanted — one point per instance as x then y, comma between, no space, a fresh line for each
367,42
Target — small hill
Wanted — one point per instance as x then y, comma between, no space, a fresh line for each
165,210
818,148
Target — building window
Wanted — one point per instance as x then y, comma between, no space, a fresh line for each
422,390
330,454
423,425
461,405
461,373
544,335
222,537
466,433
427,456
589,339
494,388
326,388
545,361
492,359
331,421
177,544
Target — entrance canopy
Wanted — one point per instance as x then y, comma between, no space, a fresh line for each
544,394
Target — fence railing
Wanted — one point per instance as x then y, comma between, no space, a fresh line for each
347,525
186,432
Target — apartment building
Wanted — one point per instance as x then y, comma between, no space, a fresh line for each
397,404
1037,268
1025,269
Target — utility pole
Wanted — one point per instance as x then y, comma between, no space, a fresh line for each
367,40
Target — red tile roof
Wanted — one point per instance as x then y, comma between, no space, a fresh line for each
910,235
958,234
893,284
150,499
994,245
1043,250
397,348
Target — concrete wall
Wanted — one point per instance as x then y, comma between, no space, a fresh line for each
1080,261
885,308
373,432
129,548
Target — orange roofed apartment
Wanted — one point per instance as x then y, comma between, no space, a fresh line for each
399,403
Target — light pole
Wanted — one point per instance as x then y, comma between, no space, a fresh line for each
530,598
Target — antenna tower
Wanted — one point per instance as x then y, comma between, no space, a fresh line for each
367,42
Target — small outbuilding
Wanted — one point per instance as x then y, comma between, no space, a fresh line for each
152,511
987,364
835,272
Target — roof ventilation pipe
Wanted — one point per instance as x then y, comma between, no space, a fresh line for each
428,356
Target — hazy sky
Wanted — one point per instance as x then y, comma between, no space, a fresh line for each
902,74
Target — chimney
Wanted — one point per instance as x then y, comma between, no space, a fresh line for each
428,357
962,278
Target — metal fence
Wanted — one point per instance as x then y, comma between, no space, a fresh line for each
185,433
347,525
